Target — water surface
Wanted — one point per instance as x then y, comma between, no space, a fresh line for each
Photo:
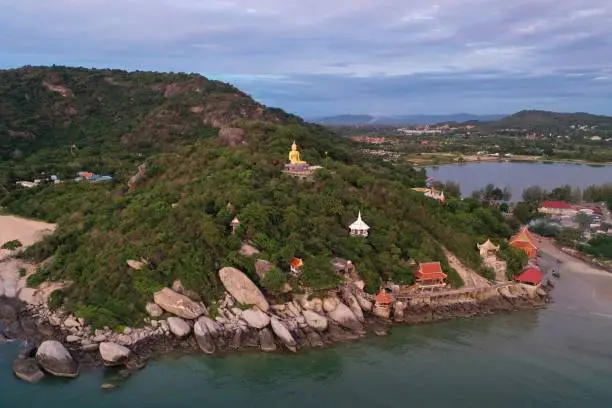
518,176
556,357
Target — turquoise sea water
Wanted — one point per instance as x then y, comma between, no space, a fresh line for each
556,357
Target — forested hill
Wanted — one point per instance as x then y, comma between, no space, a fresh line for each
205,144
545,121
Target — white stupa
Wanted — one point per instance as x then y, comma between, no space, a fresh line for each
359,228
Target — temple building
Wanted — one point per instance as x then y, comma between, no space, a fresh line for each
531,275
359,228
296,265
524,241
296,166
430,274
487,248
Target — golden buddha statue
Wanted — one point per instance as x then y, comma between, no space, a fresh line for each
294,155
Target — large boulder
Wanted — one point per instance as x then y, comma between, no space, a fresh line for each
354,306
178,326
242,288
266,340
398,311
248,250
281,331
203,336
113,353
212,326
154,310
26,369
330,303
178,304
315,320
53,357
255,318
363,302
345,317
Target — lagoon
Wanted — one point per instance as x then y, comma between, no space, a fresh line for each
518,176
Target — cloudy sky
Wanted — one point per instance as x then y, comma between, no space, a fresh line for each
325,57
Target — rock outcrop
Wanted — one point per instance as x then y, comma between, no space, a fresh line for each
203,336
178,326
53,357
345,317
315,320
266,340
242,288
262,267
26,369
154,310
255,318
281,331
177,304
113,353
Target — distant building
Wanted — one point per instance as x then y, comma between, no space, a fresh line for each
557,208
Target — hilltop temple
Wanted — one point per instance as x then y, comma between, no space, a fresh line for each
296,166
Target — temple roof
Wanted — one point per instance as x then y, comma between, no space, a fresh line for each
429,271
359,224
523,235
488,246
531,274
383,298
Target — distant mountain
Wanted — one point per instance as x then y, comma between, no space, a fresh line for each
357,120
538,120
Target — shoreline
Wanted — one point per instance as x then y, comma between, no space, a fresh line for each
430,162
35,329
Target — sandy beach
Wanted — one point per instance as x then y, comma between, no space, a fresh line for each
26,231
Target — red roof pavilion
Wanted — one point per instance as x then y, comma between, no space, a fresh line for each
383,298
530,275
430,271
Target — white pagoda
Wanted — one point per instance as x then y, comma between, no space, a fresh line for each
359,228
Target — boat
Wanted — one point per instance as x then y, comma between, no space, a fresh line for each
556,274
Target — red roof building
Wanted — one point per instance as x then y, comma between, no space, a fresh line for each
430,273
530,276
383,298
557,208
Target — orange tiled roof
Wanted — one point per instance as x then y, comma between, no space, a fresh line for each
383,298
296,263
523,235
430,270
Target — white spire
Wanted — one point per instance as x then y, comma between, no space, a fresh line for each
359,227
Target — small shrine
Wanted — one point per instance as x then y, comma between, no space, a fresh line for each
488,248
296,265
359,228
531,275
235,224
430,275
382,304
296,166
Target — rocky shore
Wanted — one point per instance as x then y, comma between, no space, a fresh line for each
60,344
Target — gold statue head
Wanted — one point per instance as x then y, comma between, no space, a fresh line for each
294,146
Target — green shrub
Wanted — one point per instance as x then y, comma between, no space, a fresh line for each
12,245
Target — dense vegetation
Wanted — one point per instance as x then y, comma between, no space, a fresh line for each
178,218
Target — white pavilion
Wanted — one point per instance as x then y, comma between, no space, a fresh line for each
359,228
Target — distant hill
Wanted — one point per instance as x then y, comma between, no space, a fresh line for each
537,120
357,120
